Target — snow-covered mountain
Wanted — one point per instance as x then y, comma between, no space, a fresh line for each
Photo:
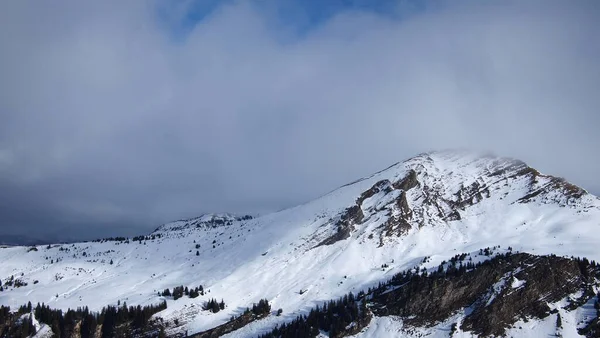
417,213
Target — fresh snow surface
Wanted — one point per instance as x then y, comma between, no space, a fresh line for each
274,256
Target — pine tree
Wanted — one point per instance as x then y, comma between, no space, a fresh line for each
56,328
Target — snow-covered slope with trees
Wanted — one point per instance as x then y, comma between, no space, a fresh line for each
419,212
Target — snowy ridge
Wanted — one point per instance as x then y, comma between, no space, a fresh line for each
435,204
203,221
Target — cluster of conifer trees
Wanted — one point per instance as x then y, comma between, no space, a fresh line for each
180,291
258,311
110,239
262,308
214,306
146,238
17,324
12,282
126,239
114,320
111,318
583,264
333,317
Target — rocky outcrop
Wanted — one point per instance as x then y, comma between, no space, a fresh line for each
398,210
490,297
497,293
397,224
408,182
383,185
470,195
567,193
548,188
230,326
345,225
428,191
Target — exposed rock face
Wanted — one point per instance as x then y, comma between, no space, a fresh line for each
556,185
470,195
383,185
428,191
397,208
345,225
497,293
398,223
230,326
408,182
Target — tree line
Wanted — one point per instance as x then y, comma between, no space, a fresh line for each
349,314
113,320
180,291
335,317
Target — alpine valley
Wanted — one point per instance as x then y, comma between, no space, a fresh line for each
445,244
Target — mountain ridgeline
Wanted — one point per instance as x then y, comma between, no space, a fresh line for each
443,244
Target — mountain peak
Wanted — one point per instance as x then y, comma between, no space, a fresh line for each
440,188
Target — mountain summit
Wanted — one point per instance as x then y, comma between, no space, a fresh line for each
502,217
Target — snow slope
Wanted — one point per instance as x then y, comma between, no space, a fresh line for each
462,202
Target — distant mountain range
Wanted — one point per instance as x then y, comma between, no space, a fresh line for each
14,240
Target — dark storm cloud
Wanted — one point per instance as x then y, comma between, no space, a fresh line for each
109,121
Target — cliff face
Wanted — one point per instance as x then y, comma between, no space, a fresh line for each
494,295
440,188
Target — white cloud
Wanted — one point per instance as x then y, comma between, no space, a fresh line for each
101,100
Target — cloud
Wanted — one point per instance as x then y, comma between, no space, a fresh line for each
115,115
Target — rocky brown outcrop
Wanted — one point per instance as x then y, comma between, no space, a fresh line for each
408,182
383,185
398,224
488,290
345,225
230,326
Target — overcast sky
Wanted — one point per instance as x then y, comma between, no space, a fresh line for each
117,116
